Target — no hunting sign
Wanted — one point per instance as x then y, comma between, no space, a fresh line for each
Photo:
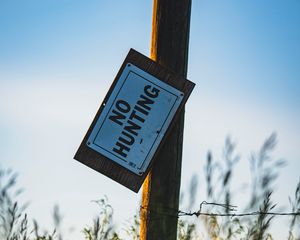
134,120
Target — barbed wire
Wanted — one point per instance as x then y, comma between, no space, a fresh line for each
169,212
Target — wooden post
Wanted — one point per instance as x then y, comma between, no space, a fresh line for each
169,47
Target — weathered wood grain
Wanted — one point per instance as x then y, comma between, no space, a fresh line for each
169,48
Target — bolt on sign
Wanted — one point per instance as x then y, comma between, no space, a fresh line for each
134,120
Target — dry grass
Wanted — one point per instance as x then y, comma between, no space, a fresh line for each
14,223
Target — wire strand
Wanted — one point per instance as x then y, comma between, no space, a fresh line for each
180,213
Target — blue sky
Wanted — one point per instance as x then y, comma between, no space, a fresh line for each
58,59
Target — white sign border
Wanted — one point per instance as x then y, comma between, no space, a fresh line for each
110,102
